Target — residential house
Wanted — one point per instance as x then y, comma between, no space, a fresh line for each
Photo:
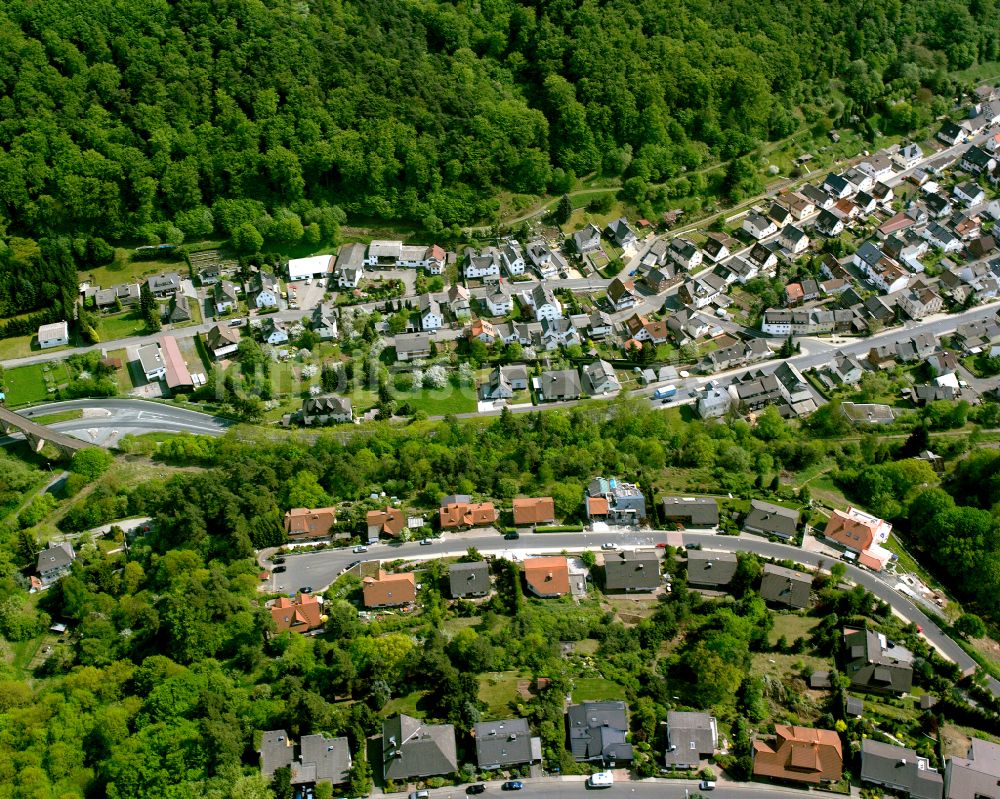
326,410
55,334
621,234
621,294
976,160
298,615
717,247
942,363
742,270
586,240
599,378
557,385
530,511
547,577
779,214
388,521
151,362
975,776
838,187
499,301
458,513
691,738
918,348
265,291
178,310
909,155
760,227
937,204
351,261
710,570
819,198
919,303
410,346
785,588
865,203
768,519
874,663
614,501
54,562
860,181
469,580
894,224
658,280
481,265
761,257
641,329
829,223
274,331
513,259
313,266
599,731
320,759
543,302
877,166
165,285
686,253
970,192
127,294
631,571
713,401
431,315
506,743
794,239
543,259
324,322
686,326
558,333
598,324
862,534
800,205
691,512
799,754
412,749
784,387
844,370
222,340
867,255
460,301
504,381
386,590
899,769
307,524
225,297
702,290
793,294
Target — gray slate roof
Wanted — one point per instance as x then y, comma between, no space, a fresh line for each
977,774
469,579
597,731
875,663
505,743
276,751
322,759
771,519
710,569
58,556
692,511
691,737
411,748
631,571
901,769
785,587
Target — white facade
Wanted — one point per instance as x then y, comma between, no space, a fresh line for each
151,361
512,258
313,266
53,335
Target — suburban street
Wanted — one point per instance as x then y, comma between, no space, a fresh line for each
319,569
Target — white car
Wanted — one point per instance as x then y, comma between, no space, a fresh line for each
609,545
360,549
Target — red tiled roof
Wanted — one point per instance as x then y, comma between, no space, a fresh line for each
598,506
298,615
799,754
389,589
547,576
310,522
537,510
471,514
390,521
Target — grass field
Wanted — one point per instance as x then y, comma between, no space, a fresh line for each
791,626
594,689
498,689
27,384
123,325
122,270
60,416
404,704
17,347
122,375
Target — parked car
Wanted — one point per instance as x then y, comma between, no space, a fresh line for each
512,536
425,542
477,788
512,785
419,795
707,785
609,545
279,559
278,569
306,589
361,548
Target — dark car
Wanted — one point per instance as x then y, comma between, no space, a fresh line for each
512,536
278,560
477,788
306,589
278,569
512,785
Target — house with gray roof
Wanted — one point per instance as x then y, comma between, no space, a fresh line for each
557,385
631,571
766,518
413,345
598,732
587,240
599,378
505,743
55,562
691,737
467,580
412,749
874,663
712,570
320,759
785,588
975,776
620,233
900,769
691,511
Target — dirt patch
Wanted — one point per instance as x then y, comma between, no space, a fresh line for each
988,648
954,741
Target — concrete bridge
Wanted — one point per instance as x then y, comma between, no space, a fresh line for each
37,435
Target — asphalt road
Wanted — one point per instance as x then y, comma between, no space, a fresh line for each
570,787
319,569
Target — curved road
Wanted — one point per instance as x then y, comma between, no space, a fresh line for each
319,569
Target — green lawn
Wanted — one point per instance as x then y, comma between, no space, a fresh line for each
122,325
60,416
404,704
441,402
498,689
28,384
122,375
122,270
16,347
593,689
791,626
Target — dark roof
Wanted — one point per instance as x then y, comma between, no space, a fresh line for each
635,571
505,743
691,736
694,511
899,768
710,569
785,586
875,663
322,759
597,731
411,748
469,579
771,519
276,751
57,556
